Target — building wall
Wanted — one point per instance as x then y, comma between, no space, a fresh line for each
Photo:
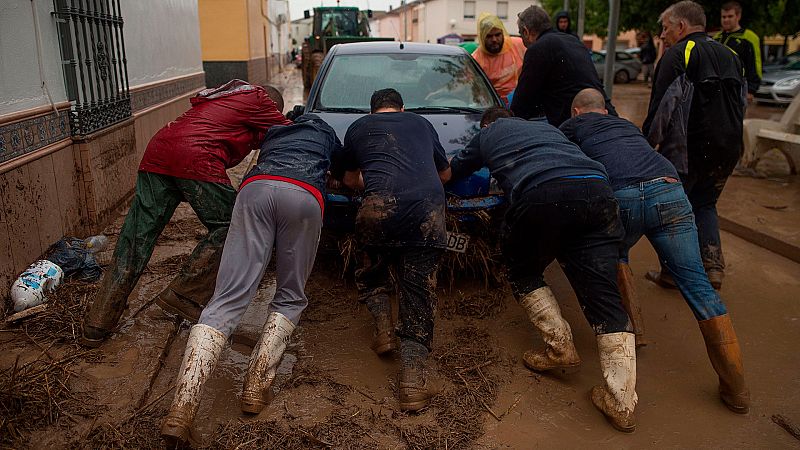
175,52
20,85
53,184
436,18
223,30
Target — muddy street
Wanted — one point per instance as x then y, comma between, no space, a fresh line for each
332,391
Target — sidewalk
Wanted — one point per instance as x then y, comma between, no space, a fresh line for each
764,211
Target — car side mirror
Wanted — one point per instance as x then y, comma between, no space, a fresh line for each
306,14
296,112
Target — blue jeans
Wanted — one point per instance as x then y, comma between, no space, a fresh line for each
661,211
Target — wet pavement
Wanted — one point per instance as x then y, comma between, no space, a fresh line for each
336,390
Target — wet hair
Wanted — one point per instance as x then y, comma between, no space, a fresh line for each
589,99
494,113
535,19
385,98
275,95
686,10
732,5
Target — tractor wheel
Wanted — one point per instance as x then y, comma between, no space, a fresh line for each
316,63
306,67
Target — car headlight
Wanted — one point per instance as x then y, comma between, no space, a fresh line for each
787,84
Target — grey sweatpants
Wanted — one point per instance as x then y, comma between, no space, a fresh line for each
266,213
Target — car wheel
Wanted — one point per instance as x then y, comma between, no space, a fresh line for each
622,77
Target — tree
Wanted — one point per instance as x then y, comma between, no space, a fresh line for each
765,18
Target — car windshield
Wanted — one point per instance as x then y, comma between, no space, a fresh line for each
423,80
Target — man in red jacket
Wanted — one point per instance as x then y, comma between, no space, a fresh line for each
185,161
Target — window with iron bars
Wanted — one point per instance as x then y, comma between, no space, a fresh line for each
94,63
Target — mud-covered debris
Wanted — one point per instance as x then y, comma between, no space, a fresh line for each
60,322
38,394
478,304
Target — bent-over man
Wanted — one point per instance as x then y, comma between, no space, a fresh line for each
185,162
395,157
652,203
280,205
561,207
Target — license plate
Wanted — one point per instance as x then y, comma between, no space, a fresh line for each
457,242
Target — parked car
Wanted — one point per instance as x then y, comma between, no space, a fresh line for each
780,86
782,62
626,67
440,82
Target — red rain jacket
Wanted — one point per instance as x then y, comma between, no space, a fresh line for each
223,125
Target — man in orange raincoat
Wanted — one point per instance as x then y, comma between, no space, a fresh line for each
499,54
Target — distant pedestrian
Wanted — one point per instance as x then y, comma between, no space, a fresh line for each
742,41
499,55
695,118
396,159
279,206
185,162
561,207
652,203
564,24
647,55
556,67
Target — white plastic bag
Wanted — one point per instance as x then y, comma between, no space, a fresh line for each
32,287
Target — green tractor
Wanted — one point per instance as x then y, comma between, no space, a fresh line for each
333,25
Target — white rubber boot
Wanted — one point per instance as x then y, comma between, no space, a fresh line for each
264,362
544,313
203,349
617,398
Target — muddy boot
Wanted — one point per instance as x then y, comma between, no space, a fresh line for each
190,291
203,349
560,353
661,278
264,362
630,301
383,338
105,311
617,398
414,391
714,263
726,357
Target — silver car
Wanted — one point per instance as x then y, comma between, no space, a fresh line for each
626,66
780,86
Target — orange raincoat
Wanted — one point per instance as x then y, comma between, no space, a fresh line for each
502,68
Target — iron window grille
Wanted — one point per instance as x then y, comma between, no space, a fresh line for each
94,63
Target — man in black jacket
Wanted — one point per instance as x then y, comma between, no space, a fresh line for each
556,67
560,207
714,126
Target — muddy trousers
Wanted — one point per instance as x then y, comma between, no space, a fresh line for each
703,191
415,271
155,199
660,210
576,222
268,214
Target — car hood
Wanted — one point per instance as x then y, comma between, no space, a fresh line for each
455,131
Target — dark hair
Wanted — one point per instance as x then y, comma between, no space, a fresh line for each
275,95
494,113
535,19
686,10
385,98
732,5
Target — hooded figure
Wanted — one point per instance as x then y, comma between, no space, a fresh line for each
563,23
499,55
